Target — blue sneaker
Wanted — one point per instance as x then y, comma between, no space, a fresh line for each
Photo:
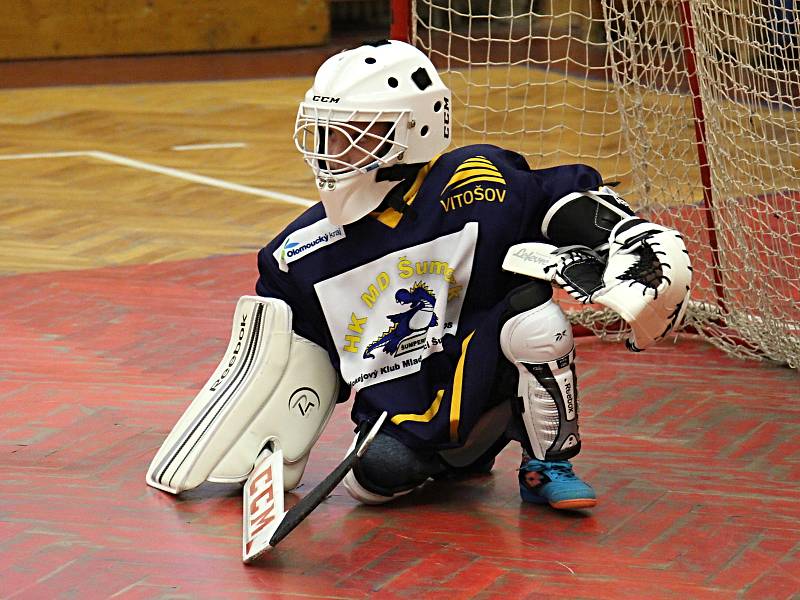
553,483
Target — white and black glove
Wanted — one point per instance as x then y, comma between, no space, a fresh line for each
645,279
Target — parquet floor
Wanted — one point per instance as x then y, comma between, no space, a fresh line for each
79,211
119,270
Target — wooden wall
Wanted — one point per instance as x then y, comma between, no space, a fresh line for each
58,28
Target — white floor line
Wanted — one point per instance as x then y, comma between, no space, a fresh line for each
209,146
176,173
40,155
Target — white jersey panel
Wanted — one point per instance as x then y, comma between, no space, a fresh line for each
389,314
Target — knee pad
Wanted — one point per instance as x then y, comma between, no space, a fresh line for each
539,343
389,469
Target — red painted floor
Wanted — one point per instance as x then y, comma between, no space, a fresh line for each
694,455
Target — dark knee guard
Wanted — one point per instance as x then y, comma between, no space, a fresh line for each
389,467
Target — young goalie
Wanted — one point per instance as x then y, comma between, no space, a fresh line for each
393,288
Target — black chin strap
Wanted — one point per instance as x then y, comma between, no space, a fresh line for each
406,175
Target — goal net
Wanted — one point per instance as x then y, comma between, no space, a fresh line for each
691,105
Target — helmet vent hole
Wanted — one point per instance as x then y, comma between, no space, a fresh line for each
424,131
392,82
369,60
437,107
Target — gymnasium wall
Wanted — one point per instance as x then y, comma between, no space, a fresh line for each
81,28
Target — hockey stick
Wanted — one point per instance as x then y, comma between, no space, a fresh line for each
265,523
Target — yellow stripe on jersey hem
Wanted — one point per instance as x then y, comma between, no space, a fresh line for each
455,400
424,417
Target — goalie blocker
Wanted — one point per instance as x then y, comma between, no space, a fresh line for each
603,253
273,389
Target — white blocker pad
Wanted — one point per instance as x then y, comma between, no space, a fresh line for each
534,259
219,432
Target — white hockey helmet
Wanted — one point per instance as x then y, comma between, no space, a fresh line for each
383,103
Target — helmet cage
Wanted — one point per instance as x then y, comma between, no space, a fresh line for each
375,149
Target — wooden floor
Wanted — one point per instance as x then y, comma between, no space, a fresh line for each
122,253
109,204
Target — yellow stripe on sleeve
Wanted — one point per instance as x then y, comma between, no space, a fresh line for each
477,180
473,173
479,160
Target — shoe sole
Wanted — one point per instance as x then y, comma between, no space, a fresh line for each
574,503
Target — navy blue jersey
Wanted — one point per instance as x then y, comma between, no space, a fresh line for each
409,305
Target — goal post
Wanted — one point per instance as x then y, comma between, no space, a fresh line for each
693,105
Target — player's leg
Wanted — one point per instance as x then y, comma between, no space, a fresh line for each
489,435
389,469
537,338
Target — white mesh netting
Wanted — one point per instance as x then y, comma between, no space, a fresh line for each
609,83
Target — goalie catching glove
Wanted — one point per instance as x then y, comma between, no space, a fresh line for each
645,279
